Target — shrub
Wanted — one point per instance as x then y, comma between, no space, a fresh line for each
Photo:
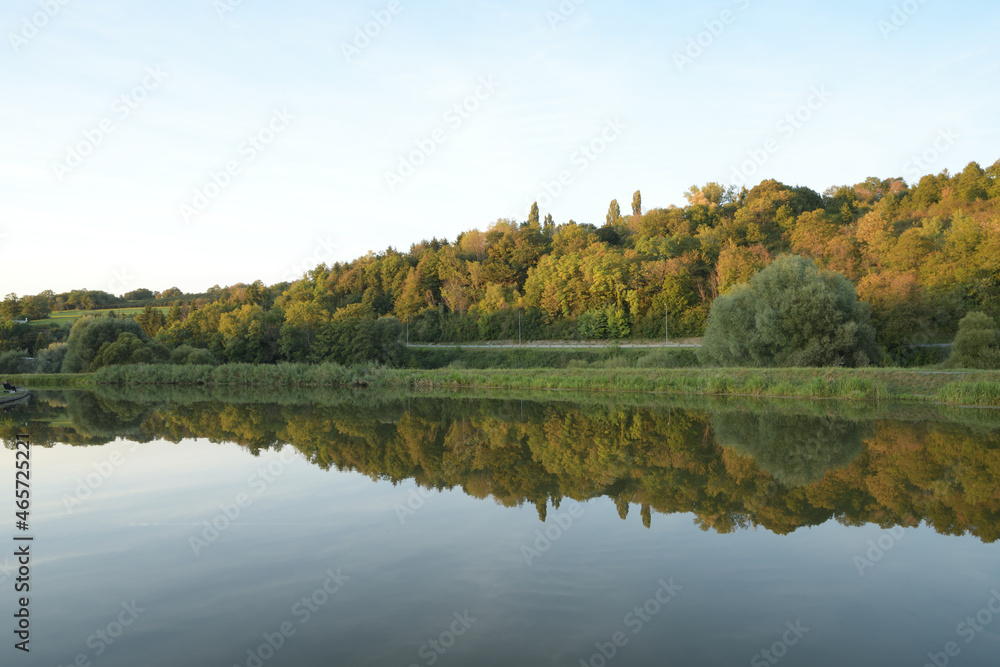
667,358
50,360
616,361
192,356
15,362
977,343
790,314
128,349
89,334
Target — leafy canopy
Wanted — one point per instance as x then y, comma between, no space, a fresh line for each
790,314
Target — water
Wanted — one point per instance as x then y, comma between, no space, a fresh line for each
179,528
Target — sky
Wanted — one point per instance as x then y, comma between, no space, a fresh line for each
210,142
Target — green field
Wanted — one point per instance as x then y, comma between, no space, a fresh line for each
67,317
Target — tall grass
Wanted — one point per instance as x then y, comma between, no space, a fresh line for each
609,374
53,380
980,393
282,375
525,358
788,383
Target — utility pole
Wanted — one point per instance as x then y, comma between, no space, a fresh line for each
667,323
407,331
519,327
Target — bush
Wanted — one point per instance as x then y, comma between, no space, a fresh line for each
615,362
192,356
666,358
793,315
89,334
977,343
128,349
15,362
50,360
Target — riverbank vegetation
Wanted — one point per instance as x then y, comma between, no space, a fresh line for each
973,388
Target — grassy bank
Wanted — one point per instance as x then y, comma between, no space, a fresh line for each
51,381
876,384
978,388
513,358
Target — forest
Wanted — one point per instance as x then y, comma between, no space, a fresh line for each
922,256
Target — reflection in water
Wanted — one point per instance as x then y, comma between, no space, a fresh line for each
781,466
797,450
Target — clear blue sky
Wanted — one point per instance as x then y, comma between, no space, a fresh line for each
315,186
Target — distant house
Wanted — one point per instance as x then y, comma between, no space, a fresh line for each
21,320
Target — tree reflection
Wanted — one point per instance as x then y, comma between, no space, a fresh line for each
778,465
797,450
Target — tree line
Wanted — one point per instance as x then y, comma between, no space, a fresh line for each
921,257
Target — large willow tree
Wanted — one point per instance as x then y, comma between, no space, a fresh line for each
790,314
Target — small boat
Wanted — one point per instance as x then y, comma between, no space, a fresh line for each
17,396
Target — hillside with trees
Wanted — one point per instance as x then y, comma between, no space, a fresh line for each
920,256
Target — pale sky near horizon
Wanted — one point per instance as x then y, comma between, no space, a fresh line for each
99,190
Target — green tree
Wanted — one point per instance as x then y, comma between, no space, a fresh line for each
977,344
128,349
790,314
614,212
50,359
10,307
139,295
36,307
151,320
302,321
533,217
192,356
176,314
15,335
89,335
251,334
14,362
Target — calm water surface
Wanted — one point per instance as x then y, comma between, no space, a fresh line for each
352,529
